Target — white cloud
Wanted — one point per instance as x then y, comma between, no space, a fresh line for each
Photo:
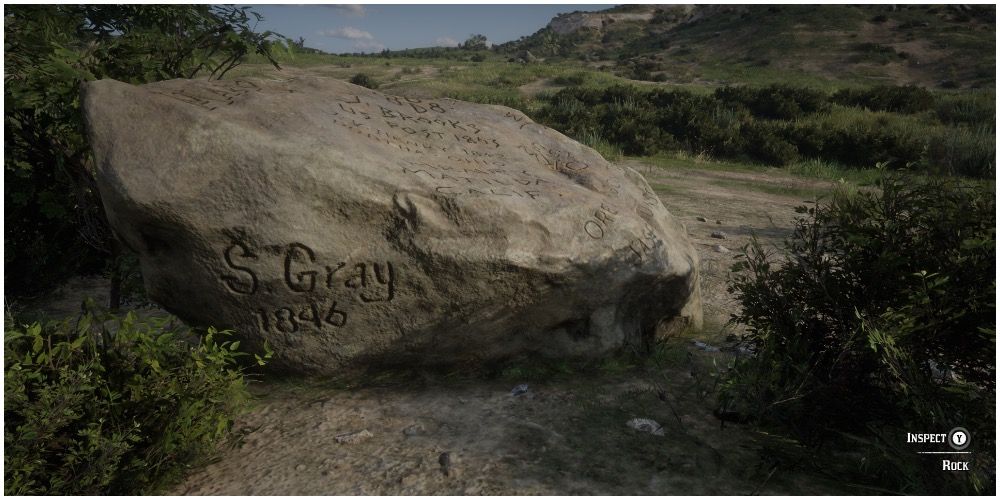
351,10
369,46
446,41
348,33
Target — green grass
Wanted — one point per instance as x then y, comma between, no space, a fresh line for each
804,192
664,189
810,169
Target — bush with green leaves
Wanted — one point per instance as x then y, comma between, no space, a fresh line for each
571,79
898,99
779,124
765,144
104,404
54,218
878,319
976,109
781,102
364,80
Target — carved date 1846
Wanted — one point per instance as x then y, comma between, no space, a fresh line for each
301,273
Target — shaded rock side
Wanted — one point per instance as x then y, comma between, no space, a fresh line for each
344,226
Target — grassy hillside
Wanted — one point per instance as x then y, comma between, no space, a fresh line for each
927,45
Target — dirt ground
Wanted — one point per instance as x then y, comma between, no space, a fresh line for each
564,435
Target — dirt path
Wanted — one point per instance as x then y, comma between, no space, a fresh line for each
737,204
566,435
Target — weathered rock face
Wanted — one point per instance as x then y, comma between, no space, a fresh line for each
345,226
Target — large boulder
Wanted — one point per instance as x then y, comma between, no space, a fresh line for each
345,227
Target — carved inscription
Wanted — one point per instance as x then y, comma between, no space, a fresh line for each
328,289
520,119
645,244
408,123
600,223
244,282
213,95
555,159
456,181
291,320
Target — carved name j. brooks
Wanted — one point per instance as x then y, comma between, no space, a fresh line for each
328,289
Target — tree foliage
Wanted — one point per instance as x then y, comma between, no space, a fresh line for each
54,218
476,42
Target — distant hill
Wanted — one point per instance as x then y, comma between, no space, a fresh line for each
928,45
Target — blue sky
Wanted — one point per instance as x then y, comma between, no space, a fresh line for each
371,28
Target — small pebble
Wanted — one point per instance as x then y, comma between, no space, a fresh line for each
701,219
720,249
414,430
353,437
719,234
300,467
718,222
646,425
519,389
445,461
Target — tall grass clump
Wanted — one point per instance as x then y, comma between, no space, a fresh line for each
962,151
608,150
877,319
977,109
113,405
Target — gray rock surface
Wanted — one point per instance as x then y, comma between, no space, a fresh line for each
345,227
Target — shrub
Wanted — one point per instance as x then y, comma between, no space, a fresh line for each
364,80
774,102
764,143
779,124
969,108
878,321
869,140
571,80
905,99
809,139
962,151
112,405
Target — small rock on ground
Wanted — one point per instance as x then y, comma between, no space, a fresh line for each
701,219
720,249
414,430
353,437
719,234
646,425
445,461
